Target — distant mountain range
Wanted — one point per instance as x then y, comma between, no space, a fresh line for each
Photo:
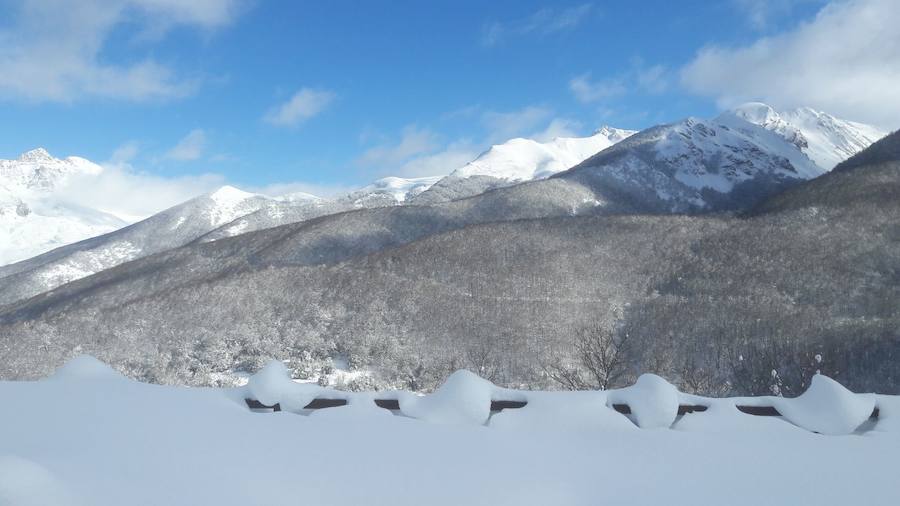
501,280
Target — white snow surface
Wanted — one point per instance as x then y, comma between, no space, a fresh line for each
825,139
93,437
396,188
526,159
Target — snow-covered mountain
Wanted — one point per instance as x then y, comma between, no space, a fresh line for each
514,161
695,165
518,160
32,219
168,229
526,159
825,139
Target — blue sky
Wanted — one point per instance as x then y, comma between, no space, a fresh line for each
324,96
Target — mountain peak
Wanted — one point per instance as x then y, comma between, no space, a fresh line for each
229,193
755,112
35,155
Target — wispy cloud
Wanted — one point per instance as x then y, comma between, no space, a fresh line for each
303,105
51,50
760,14
190,147
419,151
543,22
652,79
845,61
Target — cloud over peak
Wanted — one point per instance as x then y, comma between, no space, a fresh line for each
845,61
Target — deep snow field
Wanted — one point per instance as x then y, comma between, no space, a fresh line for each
87,436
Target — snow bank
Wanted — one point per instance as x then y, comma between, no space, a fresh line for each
360,408
827,407
464,398
85,367
273,385
653,401
26,483
566,411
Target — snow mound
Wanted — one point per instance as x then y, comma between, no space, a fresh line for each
653,401
26,483
273,385
85,367
827,407
465,398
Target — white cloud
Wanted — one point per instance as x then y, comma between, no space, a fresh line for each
638,78
845,61
52,50
558,127
422,152
588,91
303,105
126,192
190,147
124,153
442,162
543,22
761,13
502,126
414,141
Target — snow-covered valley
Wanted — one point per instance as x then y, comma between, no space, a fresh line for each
87,436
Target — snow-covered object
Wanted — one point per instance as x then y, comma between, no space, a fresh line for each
85,367
653,401
825,139
464,399
562,411
827,407
526,159
273,385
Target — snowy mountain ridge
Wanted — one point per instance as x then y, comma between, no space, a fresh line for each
690,166
527,159
825,139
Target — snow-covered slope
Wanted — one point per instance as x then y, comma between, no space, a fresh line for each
168,229
391,190
526,159
825,139
514,161
33,219
696,165
519,160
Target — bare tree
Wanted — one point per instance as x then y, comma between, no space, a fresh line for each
602,356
